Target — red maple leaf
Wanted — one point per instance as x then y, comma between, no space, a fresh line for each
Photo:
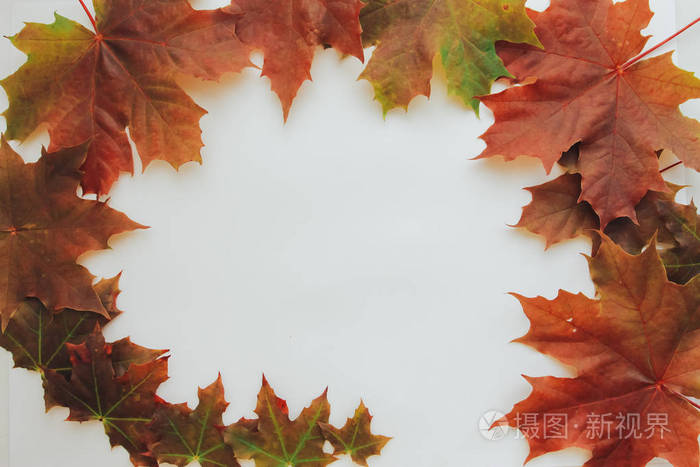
86,86
589,85
289,31
636,353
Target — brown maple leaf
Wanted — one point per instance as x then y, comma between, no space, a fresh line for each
274,440
37,337
124,403
682,261
185,435
289,31
355,439
557,214
124,353
44,227
588,85
86,86
636,356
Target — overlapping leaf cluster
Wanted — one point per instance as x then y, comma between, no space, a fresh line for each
557,214
44,224
586,97
590,85
86,86
590,102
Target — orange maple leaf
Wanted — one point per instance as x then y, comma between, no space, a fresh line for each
636,352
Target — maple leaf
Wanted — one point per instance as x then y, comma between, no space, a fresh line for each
410,33
37,337
557,214
86,86
124,353
635,353
277,441
676,226
108,290
682,261
288,33
355,438
187,436
44,227
588,86
123,403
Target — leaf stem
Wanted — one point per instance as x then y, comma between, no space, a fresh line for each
670,166
687,399
634,60
92,18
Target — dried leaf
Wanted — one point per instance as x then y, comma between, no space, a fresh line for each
557,214
289,31
90,87
635,353
44,227
278,441
124,404
185,435
355,439
410,33
588,85
555,211
37,338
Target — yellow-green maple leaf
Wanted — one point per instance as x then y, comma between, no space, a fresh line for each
410,33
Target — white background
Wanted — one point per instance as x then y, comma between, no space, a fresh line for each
339,249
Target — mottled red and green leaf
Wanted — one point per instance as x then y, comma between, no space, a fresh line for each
274,440
355,438
186,436
123,403
408,34
37,337
90,87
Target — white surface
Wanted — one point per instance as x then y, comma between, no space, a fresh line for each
340,249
